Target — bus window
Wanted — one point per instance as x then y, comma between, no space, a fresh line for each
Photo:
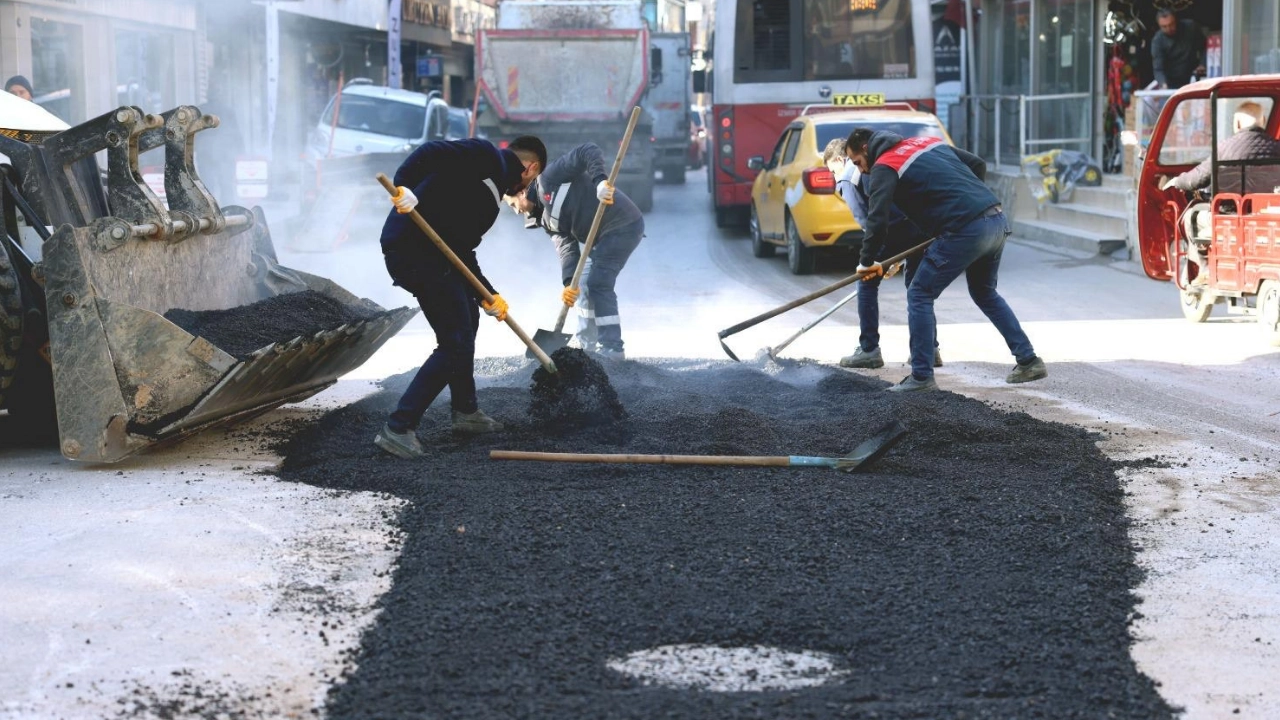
766,39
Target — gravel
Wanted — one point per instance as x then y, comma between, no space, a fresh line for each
983,568
577,395
240,331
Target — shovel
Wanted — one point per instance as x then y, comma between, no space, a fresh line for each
776,350
478,286
862,456
552,340
808,298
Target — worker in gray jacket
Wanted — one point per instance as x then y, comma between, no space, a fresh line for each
563,201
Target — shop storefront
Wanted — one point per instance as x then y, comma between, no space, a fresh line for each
85,58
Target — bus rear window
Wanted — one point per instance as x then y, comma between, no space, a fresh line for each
796,40
830,131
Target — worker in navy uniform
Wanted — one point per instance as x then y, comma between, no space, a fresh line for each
940,188
461,184
564,201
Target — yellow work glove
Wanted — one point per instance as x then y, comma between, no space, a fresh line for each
873,270
404,200
604,192
497,309
570,296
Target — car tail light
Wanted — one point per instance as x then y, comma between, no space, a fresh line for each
725,139
821,236
503,144
820,181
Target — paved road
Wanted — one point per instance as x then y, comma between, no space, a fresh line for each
188,569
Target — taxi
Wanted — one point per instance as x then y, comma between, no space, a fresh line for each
794,204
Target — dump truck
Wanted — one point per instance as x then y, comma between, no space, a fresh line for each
96,271
569,73
667,101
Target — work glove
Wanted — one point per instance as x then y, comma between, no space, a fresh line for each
570,296
874,270
497,308
404,200
1168,183
604,192
894,269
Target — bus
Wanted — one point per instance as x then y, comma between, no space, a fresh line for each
769,59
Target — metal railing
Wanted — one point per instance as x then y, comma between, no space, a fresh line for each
1057,120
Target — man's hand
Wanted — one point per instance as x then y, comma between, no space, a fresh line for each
570,296
604,192
1167,183
873,270
404,200
497,309
894,269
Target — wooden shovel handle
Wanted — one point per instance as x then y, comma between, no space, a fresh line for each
478,286
595,222
748,460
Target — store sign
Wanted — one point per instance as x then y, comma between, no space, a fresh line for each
429,14
470,17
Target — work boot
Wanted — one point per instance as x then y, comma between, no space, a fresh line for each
863,359
610,353
404,445
937,357
911,384
1033,370
476,422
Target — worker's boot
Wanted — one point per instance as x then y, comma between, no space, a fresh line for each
404,445
863,359
911,384
476,422
1033,370
937,357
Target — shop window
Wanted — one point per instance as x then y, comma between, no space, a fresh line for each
144,70
56,62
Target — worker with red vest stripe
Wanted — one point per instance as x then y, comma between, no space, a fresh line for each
940,188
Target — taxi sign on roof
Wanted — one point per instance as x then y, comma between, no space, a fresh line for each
857,99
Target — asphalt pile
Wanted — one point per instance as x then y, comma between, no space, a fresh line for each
578,395
980,569
242,330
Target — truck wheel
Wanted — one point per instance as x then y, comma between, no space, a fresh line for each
759,247
673,175
644,196
1269,311
10,323
801,259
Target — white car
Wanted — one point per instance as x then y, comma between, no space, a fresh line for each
377,119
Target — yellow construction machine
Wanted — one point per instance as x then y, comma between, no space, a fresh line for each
95,266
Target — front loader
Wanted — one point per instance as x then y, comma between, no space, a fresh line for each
84,338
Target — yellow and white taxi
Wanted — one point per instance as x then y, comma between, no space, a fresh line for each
794,202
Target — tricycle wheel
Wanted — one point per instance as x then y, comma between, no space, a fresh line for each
1197,305
1269,311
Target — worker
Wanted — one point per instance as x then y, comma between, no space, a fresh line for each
20,86
940,188
461,184
902,235
1177,50
564,201
1250,141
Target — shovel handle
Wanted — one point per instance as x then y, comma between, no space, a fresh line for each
816,294
595,222
748,460
478,286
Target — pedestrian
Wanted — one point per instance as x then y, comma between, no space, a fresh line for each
564,201
940,188
20,86
1177,50
461,183
902,235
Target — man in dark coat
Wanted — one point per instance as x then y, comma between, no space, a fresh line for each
939,188
462,183
564,201
1177,51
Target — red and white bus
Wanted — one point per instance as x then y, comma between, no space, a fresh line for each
771,58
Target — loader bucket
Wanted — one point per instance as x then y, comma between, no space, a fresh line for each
125,377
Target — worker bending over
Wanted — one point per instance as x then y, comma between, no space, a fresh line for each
461,184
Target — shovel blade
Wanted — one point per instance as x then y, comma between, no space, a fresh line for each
874,447
548,341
